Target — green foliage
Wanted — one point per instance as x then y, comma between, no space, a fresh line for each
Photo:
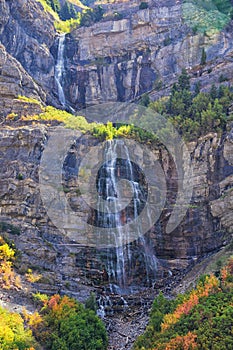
5,227
91,302
68,25
192,115
183,81
105,132
161,306
203,57
68,325
109,132
67,11
66,17
49,9
117,16
54,4
208,16
13,334
195,114
91,16
158,84
28,100
203,317
223,6
69,120
20,176
144,100
6,252
222,78
143,5
41,299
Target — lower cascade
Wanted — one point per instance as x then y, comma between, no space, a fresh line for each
128,266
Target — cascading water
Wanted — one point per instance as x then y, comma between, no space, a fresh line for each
122,262
59,69
107,187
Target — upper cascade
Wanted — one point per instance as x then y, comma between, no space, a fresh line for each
59,69
134,49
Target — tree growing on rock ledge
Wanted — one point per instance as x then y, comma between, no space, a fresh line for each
143,5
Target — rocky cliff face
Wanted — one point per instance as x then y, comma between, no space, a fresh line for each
26,33
15,82
73,268
119,60
114,60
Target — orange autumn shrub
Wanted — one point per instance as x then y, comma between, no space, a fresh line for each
186,342
227,271
8,278
211,284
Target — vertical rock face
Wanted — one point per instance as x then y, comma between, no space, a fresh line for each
113,60
27,32
206,227
119,60
15,81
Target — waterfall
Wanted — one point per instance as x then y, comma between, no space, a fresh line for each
59,69
107,187
121,262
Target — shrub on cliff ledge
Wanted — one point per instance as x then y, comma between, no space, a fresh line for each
8,278
143,5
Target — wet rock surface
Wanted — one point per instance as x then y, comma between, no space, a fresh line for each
73,268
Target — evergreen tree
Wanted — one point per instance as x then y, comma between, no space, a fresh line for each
48,2
98,13
73,12
213,92
203,57
55,4
67,12
184,81
197,88
91,16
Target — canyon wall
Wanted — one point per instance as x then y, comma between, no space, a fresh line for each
115,59
69,266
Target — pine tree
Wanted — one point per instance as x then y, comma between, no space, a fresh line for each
67,12
55,4
184,81
73,12
203,57
213,92
197,88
